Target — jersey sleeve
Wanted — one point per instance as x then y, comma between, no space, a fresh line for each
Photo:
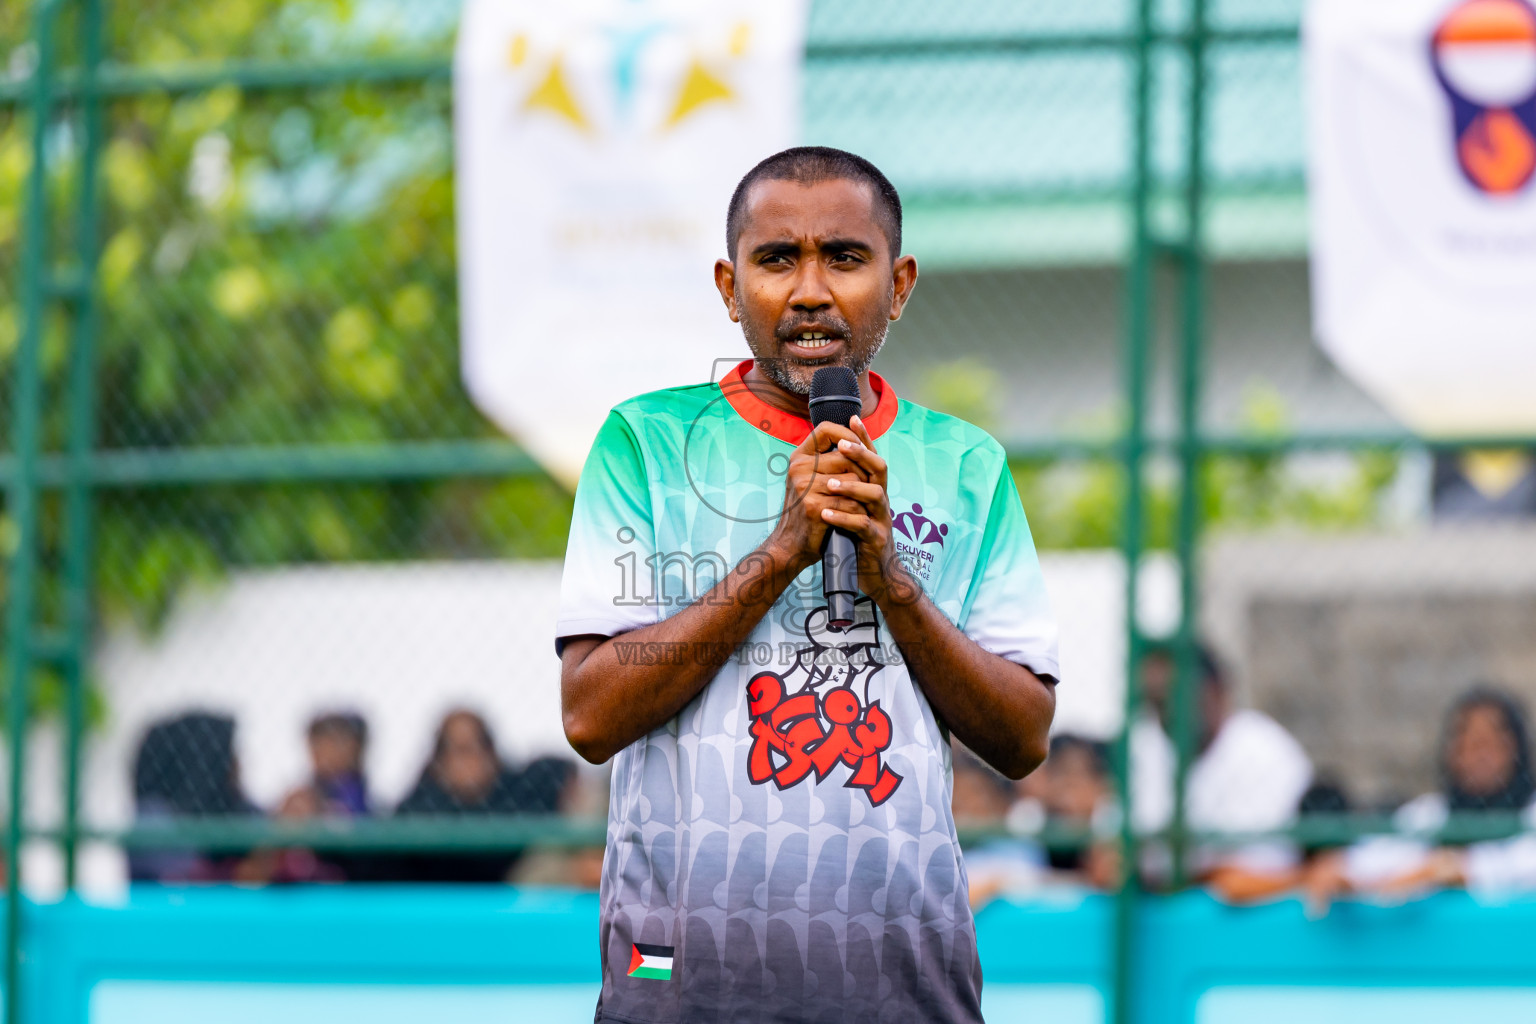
605,588
1007,610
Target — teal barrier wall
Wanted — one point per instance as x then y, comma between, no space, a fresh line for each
396,955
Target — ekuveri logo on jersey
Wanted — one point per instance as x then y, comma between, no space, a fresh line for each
920,532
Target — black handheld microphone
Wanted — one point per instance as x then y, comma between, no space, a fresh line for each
835,398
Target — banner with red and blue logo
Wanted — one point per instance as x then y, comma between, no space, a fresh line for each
1422,183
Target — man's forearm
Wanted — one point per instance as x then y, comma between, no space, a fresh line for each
611,697
999,709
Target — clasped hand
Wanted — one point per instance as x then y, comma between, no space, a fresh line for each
836,478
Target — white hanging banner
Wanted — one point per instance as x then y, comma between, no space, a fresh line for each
1423,204
598,142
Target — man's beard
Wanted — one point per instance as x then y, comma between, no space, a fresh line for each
795,377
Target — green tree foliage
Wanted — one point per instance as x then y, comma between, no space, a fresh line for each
277,268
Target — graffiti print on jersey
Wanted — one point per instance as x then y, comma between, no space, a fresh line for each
816,719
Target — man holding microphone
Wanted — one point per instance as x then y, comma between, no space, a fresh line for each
780,842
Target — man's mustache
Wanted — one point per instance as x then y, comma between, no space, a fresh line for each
831,324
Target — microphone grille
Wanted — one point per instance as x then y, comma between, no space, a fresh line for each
834,382
834,395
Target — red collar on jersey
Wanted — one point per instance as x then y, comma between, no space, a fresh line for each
787,426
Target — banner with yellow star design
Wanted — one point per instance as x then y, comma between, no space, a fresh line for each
598,142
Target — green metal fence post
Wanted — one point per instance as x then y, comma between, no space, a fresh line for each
22,496
1191,355
1138,327
79,494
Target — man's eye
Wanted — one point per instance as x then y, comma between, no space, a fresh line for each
846,257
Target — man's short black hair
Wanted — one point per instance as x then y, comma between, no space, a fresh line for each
810,165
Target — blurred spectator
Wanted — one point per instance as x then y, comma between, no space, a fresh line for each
1485,767
1028,813
1076,791
467,777
337,787
1078,796
1248,775
337,743
584,798
997,863
1069,798
293,864
544,785
981,796
186,768
1323,799
1485,761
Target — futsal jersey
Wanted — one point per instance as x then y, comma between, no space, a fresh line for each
783,849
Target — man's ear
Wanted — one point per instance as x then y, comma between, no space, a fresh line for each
725,284
905,272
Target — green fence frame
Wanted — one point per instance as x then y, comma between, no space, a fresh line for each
67,280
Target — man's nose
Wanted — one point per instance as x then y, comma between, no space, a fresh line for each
811,292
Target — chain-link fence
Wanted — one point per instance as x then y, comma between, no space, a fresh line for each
285,598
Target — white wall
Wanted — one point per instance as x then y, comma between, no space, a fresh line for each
399,644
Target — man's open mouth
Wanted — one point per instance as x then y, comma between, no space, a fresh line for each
813,344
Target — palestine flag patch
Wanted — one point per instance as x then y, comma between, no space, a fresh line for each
651,962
